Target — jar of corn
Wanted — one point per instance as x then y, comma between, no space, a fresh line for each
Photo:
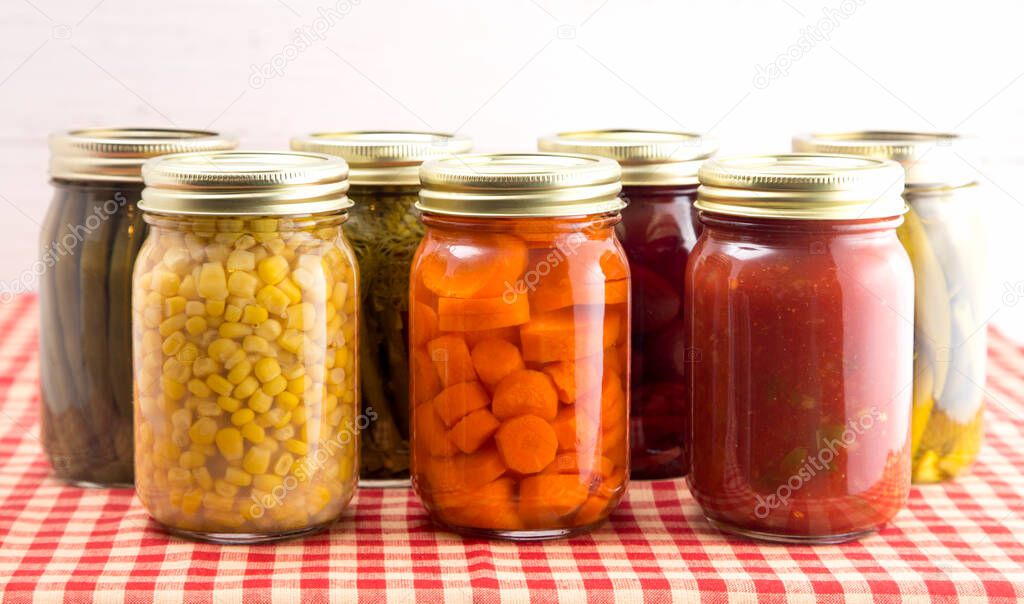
244,340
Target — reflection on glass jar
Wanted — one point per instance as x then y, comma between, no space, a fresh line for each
944,235
799,297
245,340
519,338
88,243
384,229
658,230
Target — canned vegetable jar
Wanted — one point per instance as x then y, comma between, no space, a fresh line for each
800,333
519,335
245,338
945,236
89,239
384,229
658,230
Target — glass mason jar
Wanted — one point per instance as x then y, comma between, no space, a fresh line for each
658,230
800,341
89,239
944,234
384,229
245,339
519,336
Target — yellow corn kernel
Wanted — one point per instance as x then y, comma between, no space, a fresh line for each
291,340
269,330
213,283
174,306
299,416
225,488
237,477
284,433
304,277
260,402
266,482
191,460
298,385
194,308
222,349
154,300
235,359
283,465
267,369
264,225
269,444
256,461
296,446
255,345
317,498
239,372
246,388
195,325
177,260
204,367
191,500
241,260
287,400
293,371
339,295
176,370
199,388
217,503
330,312
209,409
151,341
187,288
181,419
301,316
242,417
179,477
201,476
166,283
229,404
217,252
273,299
234,330
243,285
275,386
245,242
291,290
220,384
203,431
171,389
254,315
232,313
188,354
281,418
172,324
253,433
272,270
215,308
229,442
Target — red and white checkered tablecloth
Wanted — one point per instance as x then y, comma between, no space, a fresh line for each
960,541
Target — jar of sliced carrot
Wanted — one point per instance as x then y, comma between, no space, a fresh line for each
245,341
519,312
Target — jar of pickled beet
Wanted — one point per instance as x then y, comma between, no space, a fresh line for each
944,234
519,335
800,334
245,338
384,229
659,228
88,242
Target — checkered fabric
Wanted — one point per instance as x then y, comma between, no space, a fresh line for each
962,541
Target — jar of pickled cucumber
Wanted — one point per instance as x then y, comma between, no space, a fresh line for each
245,340
89,239
384,230
944,234
520,345
658,230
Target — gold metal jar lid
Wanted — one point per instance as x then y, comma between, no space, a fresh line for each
520,185
802,186
931,159
384,157
117,154
245,183
647,157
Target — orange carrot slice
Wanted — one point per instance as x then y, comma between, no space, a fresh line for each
464,471
430,433
451,357
613,401
423,324
559,294
546,499
425,381
525,392
475,314
569,334
455,402
527,443
575,430
481,266
471,432
509,334
491,506
593,510
573,378
613,442
494,359
613,486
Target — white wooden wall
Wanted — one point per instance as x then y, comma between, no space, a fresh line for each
504,72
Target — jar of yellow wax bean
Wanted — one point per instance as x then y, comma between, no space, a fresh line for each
244,339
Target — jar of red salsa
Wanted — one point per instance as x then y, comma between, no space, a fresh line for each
800,308
658,230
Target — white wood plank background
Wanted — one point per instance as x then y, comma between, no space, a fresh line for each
506,72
